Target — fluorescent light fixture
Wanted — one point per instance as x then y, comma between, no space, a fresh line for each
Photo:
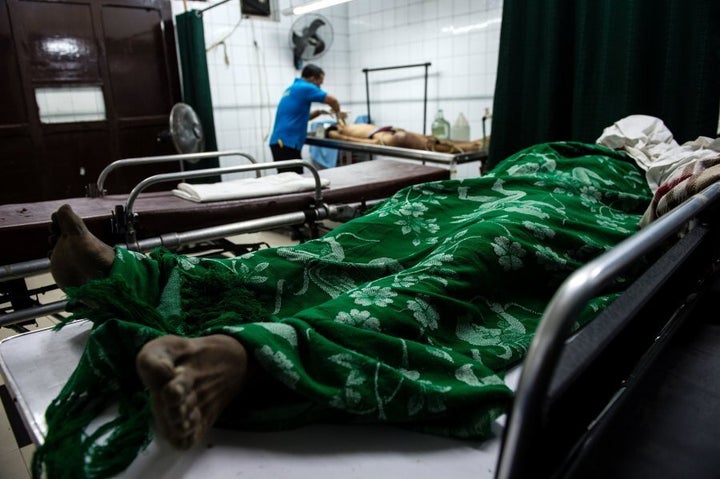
312,6
473,27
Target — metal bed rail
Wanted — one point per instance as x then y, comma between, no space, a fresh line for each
28,268
522,430
170,240
98,188
124,218
27,314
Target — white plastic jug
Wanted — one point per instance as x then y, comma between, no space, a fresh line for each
460,129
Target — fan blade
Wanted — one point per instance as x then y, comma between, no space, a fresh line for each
313,27
318,43
297,39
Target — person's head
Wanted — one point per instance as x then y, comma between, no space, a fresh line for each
313,74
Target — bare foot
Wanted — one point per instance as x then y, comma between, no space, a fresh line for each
191,381
77,255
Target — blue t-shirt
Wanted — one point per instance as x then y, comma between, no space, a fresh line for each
293,113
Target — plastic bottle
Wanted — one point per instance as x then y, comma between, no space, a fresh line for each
440,126
460,129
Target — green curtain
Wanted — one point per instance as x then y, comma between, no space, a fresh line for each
569,68
196,81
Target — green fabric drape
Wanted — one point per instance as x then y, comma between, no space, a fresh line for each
196,81
408,315
568,68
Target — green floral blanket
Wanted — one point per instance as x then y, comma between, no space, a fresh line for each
408,315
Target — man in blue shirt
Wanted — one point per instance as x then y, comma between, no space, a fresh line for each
293,114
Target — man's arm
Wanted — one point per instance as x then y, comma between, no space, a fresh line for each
316,113
334,104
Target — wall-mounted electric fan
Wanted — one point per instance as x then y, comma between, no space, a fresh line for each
311,36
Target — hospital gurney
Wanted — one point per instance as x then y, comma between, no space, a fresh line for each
24,227
145,220
567,395
37,364
448,159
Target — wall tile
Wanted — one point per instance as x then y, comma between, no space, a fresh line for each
367,34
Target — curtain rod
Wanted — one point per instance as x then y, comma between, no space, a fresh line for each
427,64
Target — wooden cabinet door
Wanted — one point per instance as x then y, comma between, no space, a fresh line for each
94,82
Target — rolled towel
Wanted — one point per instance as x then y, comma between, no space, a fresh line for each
281,183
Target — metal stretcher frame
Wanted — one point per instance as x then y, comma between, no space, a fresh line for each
127,216
143,221
98,188
449,159
37,364
24,227
525,424
553,363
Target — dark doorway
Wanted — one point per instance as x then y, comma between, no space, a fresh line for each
84,83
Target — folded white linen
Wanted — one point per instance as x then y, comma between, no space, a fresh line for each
278,184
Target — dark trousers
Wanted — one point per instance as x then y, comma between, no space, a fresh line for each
282,153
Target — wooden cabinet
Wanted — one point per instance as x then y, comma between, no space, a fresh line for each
59,54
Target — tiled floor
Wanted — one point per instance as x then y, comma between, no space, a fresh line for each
14,460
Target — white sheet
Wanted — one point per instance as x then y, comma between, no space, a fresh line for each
651,144
37,364
281,183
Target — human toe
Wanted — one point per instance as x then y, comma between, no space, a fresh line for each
67,222
155,366
184,430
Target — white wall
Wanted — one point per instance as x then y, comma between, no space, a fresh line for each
460,38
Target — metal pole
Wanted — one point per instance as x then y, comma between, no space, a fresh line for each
367,87
27,314
213,6
396,67
367,94
425,100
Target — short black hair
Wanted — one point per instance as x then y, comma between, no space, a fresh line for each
312,71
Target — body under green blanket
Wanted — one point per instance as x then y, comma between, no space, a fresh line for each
408,315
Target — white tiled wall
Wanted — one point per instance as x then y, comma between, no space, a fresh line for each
459,38
248,73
